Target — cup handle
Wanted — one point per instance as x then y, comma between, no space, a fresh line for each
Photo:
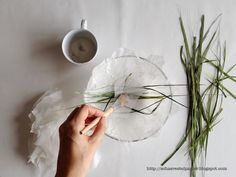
84,24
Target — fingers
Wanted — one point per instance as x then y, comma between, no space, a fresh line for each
94,112
72,114
84,112
99,131
89,120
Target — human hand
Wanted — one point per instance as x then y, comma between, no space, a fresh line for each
76,150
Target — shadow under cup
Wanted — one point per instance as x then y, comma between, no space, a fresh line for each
79,46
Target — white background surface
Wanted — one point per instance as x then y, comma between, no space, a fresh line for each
31,62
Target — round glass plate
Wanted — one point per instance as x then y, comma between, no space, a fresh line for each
148,92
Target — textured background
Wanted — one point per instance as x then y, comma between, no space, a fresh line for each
31,62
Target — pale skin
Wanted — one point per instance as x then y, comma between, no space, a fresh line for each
76,150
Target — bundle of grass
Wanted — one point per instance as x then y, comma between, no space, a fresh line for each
204,104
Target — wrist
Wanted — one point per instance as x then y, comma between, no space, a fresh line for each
68,175
71,172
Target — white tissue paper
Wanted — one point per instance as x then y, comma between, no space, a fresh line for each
50,110
127,73
46,117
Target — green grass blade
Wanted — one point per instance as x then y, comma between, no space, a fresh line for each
185,37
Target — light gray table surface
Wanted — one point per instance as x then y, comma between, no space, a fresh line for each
31,62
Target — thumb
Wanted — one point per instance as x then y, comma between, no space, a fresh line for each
99,131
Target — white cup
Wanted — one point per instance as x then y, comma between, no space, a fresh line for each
80,46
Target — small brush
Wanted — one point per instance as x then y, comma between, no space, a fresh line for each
121,101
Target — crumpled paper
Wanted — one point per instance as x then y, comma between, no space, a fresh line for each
47,115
